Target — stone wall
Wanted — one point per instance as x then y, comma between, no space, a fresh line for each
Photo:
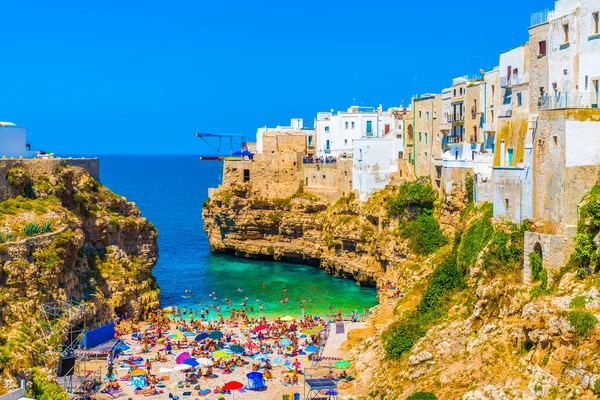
275,175
565,165
41,165
328,181
555,251
508,185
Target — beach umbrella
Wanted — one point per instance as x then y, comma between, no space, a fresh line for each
287,318
215,335
311,349
175,336
237,153
137,372
182,367
237,349
296,364
309,332
221,354
285,342
233,385
205,362
342,364
260,328
191,362
201,336
182,357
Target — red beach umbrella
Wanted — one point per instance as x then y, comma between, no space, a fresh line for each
260,328
233,385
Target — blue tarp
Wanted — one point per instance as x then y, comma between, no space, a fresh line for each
98,336
255,381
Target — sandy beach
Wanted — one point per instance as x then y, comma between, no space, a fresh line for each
282,351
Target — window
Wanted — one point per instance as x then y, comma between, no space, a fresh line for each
420,137
425,155
345,141
461,91
493,90
352,124
595,86
595,18
542,48
519,99
434,114
437,137
369,126
426,138
492,116
542,91
420,114
555,87
427,116
565,33
326,129
310,140
506,203
246,175
554,141
327,145
346,124
454,92
306,181
586,82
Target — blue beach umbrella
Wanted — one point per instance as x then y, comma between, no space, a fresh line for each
237,349
215,335
285,342
191,362
311,349
237,153
201,336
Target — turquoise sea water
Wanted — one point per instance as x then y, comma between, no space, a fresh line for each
170,191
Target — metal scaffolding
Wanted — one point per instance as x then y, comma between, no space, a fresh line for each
63,336
319,385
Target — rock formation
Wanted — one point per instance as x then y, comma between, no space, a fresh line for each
63,237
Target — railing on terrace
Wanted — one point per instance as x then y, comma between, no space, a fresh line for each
540,17
456,117
568,100
489,127
505,110
329,160
513,80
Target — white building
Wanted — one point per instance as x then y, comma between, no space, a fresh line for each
13,141
373,161
573,50
296,125
335,133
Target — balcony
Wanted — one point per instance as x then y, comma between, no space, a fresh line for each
568,100
513,80
505,110
489,127
452,118
445,127
539,18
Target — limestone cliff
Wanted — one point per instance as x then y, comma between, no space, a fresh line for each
347,239
468,326
64,236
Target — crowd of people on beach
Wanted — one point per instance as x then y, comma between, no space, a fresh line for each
276,349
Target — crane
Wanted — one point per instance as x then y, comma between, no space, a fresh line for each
215,141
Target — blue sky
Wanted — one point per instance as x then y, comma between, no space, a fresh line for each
140,77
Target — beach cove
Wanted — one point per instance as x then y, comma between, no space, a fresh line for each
171,196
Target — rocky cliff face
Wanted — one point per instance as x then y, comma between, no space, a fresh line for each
467,327
347,239
64,236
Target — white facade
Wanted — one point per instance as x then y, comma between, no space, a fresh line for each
373,160
574,53
335,133
13,142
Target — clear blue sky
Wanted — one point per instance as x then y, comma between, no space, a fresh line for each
142,76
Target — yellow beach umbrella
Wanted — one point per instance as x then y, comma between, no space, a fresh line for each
287,318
